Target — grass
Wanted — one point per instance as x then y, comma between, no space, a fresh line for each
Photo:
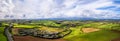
102,35
77,34
50,29
2,37
24,26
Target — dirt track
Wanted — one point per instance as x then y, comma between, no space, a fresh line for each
30,38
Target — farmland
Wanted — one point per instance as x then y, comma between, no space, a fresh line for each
63,30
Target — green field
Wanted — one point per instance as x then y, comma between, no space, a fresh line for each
2,37
107,30
102,35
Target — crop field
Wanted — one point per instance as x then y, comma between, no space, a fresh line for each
65,30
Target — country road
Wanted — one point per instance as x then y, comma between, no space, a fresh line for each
7,32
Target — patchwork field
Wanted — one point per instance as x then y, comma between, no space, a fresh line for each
51,30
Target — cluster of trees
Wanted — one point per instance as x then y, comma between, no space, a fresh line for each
0,24
43,34
116,27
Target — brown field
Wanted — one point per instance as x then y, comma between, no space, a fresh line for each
15,31
30,38
88,30
117,39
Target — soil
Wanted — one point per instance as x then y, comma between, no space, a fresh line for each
30,38
117,39
88,30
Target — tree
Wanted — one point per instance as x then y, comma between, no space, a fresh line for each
0,24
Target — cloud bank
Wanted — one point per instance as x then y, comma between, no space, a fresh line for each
41,9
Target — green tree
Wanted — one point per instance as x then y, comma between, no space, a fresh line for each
0,24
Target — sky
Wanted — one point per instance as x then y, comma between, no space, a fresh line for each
42,9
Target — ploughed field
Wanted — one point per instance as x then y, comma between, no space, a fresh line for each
30,38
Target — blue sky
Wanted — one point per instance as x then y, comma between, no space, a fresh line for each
41,9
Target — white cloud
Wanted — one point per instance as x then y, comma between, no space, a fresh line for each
32,9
